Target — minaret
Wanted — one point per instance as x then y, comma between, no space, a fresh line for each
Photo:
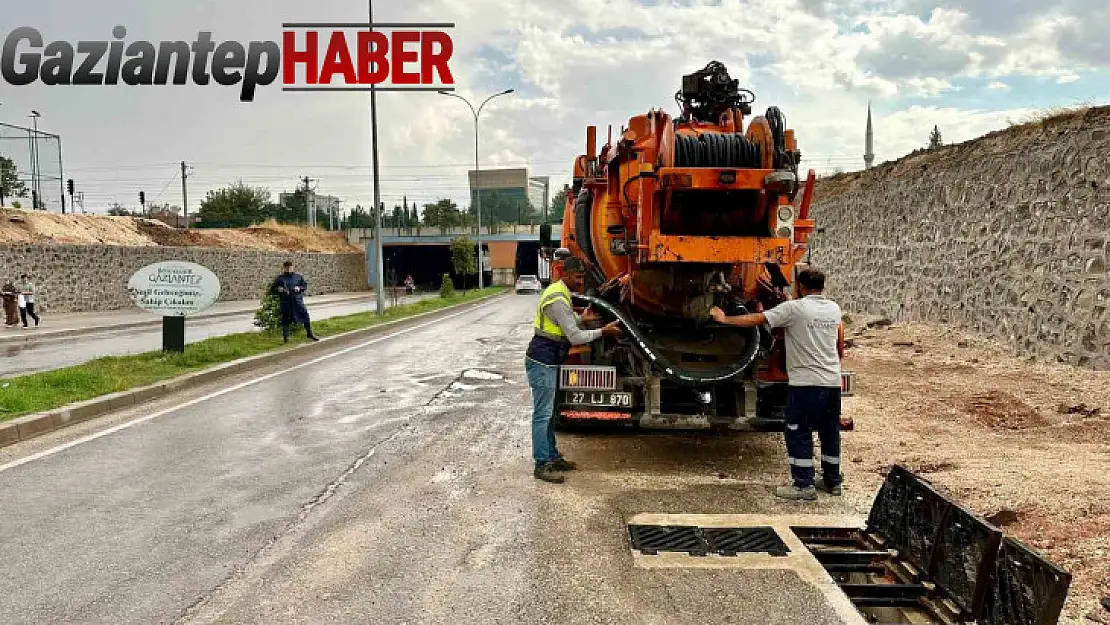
869,156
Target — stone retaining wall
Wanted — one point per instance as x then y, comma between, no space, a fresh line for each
85,278
1007,236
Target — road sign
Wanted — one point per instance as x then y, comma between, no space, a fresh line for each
174,288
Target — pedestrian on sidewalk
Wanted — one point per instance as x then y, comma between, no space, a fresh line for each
290,288
555,330
11,305
27,306
814,349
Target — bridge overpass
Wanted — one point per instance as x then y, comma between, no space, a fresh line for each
424,252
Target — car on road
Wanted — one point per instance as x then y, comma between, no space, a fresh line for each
528,284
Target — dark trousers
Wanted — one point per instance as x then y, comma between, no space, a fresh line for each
285,330
29,311
809,409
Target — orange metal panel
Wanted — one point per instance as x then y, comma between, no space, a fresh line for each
684,249
710,178
502,254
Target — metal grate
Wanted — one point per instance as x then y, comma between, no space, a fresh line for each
1025,589
651,539
699,541
965,554
588,378
730,541
909,513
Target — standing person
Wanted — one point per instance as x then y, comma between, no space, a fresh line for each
290,287
27,306
11,305
410,285
555,330
814,349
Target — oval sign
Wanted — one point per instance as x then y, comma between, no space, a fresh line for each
174,288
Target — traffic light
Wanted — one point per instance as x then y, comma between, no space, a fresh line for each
142,198
69,186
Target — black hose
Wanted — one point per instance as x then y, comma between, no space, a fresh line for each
662,364
582,231
716,149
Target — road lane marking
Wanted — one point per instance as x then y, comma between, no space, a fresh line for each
231,389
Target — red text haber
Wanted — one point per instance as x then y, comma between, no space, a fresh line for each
393,57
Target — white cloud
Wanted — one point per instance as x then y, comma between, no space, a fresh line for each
573,62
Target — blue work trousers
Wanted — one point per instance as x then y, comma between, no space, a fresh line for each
543,380
810,409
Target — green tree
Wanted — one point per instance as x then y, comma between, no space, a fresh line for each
359,218
935,140
236,206
10,184
443,214
446,287
462,257
268,315
558,206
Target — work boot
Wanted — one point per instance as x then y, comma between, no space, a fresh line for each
546,472
796,494
562,464
312,337
824,487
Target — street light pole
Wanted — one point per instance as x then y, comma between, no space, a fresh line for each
35,185
477,172
379,269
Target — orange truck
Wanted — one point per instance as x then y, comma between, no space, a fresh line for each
673,217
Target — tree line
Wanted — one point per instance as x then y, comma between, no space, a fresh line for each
240,205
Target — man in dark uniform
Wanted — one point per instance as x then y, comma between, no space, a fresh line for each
290,287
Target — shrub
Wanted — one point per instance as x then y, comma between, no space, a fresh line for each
268,315
447,288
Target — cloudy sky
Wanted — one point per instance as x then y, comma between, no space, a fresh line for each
969,66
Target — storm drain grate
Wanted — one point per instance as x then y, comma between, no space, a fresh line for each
650,540
730,541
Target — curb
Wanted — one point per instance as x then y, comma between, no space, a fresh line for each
30,426
39,335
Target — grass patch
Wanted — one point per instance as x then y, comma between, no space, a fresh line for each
39,392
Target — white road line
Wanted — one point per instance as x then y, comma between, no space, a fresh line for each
231,389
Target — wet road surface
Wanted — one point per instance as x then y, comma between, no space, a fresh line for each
389,482
23,357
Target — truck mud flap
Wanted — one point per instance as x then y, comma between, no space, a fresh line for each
925,554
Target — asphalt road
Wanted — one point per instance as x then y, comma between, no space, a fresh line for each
388,482
48,353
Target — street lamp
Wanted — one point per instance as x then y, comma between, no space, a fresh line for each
35,186
477,170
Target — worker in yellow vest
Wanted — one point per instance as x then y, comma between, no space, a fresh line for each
556,330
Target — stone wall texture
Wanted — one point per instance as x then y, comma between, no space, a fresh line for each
1007,236
84,278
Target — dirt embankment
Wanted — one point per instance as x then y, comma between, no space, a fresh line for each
1026,445
18,226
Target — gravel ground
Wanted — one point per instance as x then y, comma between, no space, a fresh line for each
998,433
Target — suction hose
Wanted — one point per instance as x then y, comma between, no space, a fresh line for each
671,371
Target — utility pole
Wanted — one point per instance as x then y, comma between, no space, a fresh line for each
185,193
379,286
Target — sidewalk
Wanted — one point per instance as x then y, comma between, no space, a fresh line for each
88,323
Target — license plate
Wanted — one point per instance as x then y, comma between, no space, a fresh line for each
606,399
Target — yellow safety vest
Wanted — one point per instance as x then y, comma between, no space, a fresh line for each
544,326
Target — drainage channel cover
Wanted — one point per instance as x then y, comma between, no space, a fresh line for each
650,540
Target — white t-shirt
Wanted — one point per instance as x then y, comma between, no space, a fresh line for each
812,326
